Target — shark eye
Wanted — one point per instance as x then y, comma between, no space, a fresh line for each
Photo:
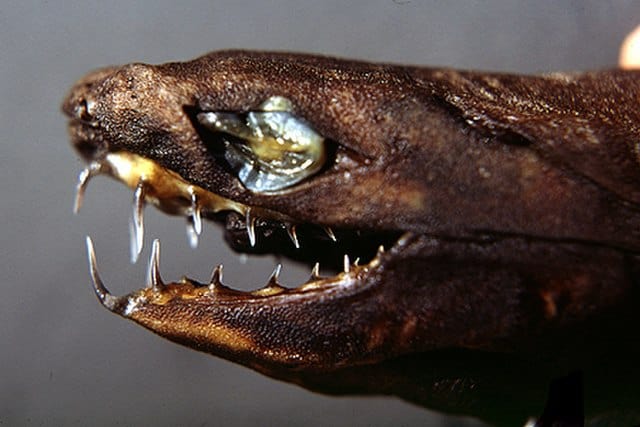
272,149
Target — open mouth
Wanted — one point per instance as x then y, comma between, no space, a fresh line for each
247,229
213,317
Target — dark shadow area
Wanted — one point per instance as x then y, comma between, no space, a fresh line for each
500,389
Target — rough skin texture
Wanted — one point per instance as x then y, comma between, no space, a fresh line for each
517,198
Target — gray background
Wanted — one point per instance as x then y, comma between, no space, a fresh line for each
64,359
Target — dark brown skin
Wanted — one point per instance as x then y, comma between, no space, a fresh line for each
518,199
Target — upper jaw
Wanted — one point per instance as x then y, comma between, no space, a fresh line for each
260,230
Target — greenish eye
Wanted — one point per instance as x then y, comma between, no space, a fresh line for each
272,149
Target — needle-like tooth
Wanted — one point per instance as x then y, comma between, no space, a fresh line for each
356,261
380,250
250,225
291,231
192,235
137,221
89,172
103,294
81,187
196,216
329,232
216,278
194,221
315,271
153,273
273,279
346,264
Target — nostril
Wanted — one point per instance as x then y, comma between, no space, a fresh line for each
83,110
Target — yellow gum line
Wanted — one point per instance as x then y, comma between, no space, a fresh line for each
165,188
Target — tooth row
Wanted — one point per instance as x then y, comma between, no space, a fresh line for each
155,282
194,219
250,225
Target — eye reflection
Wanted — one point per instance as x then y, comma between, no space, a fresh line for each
272,149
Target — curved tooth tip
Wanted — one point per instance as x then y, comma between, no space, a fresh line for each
250,224
135,246
330,233
216,277
380,250
137,221
291,231
405,238
84,176
192,234
154,280
196,214
315,271
104,296
81,186
273,279
346,263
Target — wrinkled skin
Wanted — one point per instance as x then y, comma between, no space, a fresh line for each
517,199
